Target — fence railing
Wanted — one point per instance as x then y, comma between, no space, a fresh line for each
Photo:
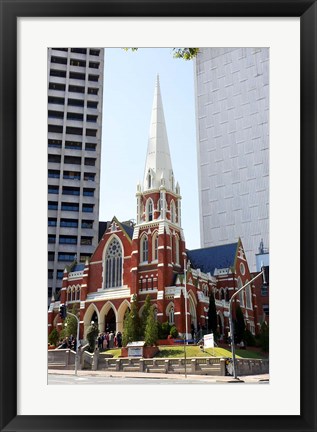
65,359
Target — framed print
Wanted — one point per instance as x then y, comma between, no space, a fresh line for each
288,29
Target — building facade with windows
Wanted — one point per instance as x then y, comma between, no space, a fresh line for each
232,116
75,91
149,257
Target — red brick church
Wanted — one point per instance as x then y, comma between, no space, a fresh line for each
150,257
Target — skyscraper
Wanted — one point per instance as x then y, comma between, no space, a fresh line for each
75,90
232,110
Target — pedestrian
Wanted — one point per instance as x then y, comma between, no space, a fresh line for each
119,339
111,338
107,340
192,330
100,342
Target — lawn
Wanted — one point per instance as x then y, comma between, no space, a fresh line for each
194,351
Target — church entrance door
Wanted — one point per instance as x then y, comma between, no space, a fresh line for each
110,321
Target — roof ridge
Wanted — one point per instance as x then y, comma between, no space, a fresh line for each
212,247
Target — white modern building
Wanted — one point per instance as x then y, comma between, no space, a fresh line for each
232,114
75,89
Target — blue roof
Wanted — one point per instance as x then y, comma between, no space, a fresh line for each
78,267
208,259
128,229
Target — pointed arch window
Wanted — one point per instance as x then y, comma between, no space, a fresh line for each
248,297
172,248
113,264
171,317
173,212
149,205
149,180
241,294
227,295
144,249
177,249
172,181
155,246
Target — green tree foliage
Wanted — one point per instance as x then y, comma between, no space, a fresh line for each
163,330
239,325
174,332
151,330
185,53
145,314
249,339
92,334
264,337
182,53
53,337
132,323
70,323
127,332
212,314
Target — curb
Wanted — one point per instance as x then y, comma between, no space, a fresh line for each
142,375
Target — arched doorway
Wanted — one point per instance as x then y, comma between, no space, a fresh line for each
91,314
192,310
123,311
110,321
94,318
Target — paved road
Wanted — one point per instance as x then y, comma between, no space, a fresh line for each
92,380
63,377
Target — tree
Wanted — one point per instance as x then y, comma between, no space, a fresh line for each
239,325
163,329
151,330
174,332
183,53
212,314
131,329
92,334
70,323
53,337
127,332
264,337
145,314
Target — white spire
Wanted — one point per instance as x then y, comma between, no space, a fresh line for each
158,163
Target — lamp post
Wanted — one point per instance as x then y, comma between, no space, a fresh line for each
185,297
233,352
77,342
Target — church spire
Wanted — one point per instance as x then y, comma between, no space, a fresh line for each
158,166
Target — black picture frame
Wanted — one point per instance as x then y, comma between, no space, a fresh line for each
10,11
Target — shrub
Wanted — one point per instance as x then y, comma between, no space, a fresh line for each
145,314
164,330
239,325
132,324
264,337
151,333
249,339
174,332
53,337
92,334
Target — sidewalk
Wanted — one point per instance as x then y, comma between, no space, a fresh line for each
250,379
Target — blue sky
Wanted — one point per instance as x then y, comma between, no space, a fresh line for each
129,82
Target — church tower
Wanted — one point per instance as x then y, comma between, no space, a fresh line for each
158,241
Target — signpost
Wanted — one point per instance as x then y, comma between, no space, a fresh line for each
135,349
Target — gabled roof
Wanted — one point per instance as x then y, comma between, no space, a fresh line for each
78,267
128,229
208,259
